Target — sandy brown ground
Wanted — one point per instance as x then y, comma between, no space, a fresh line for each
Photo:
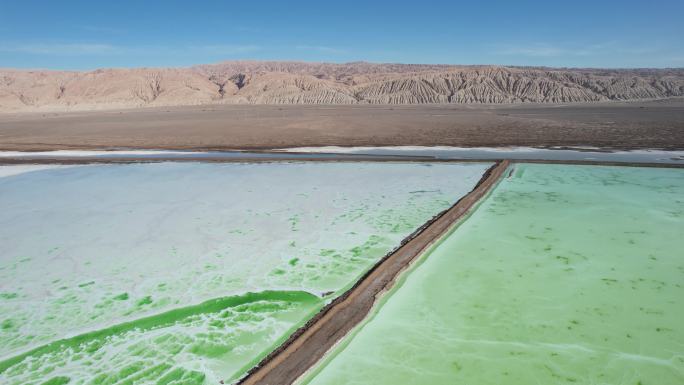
312,341
653,124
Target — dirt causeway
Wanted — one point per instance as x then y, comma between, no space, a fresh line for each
306,346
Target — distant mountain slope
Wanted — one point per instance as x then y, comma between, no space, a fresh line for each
324,83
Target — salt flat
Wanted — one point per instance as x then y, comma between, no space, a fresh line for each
190,272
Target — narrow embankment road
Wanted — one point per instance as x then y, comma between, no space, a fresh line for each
306,346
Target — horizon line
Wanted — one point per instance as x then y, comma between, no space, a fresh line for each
333,63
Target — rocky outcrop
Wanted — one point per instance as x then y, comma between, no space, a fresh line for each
324,83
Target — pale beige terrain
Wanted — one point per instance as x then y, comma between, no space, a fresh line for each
322,83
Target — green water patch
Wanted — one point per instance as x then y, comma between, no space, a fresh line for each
61,380
237,329
8,295
121,297
338,268
563,275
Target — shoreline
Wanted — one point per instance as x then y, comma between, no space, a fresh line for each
571,155
344,159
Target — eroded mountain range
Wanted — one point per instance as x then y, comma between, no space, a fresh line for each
324,83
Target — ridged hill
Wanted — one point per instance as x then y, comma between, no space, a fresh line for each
324,83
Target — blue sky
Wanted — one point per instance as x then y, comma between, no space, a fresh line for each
92,34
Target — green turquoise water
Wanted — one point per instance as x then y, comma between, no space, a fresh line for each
230,329
189,273
563,275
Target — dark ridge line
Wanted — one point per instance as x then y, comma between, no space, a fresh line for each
480,190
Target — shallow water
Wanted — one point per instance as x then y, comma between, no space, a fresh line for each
185,273
350,153
563,275
525,153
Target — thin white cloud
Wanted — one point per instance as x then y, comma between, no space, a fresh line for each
320,48
61,49
545,50
247,29
102,29
90,49
603,54
227,49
